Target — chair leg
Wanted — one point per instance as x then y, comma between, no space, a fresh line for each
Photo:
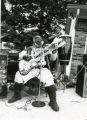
36,88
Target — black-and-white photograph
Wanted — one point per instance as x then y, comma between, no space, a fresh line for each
43,60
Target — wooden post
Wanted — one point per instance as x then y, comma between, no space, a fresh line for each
85,51
72,33
0,24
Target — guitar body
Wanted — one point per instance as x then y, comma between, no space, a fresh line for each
26,66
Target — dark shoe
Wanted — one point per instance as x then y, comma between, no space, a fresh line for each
14,98
54,106
17,93
3,92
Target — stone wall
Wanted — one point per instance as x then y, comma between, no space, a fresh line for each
78,51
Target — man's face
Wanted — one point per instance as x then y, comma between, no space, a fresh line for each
38,42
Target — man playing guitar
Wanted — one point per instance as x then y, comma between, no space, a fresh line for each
31,65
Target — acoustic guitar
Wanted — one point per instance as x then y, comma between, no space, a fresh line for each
29,62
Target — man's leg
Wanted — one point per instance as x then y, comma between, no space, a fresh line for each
17,93
19,81
47,78
17,88
51,90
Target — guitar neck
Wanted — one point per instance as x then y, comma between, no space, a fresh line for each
48,49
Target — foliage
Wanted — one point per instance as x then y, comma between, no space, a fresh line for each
46,15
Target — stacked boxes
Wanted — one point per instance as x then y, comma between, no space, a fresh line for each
3,66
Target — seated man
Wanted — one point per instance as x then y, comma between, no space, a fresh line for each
32,65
